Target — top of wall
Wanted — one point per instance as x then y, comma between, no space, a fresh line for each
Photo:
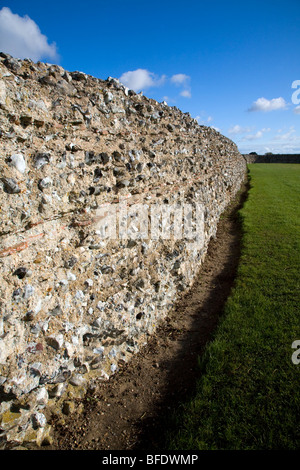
60,125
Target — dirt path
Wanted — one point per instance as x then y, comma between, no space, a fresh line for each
130,410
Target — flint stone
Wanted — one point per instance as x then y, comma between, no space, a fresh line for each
38,420
55,341
66,88
40,160
42,397
44,183
108,97
71,262
17,160
10,186
77,380
20,272
2,94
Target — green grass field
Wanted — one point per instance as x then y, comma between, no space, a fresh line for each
248,393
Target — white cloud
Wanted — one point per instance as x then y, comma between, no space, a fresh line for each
141,79
237,129
169,100
289,135
297,110
257,135
22,38
285,140
262,104
180,79
186,94
203,118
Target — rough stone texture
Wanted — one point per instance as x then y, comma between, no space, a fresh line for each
75,304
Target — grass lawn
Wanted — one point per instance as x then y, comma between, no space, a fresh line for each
248,392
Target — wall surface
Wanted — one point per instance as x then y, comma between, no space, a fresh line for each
74,302
275,158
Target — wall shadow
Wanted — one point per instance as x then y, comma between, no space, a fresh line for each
184,370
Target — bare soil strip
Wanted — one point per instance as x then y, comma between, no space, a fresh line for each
131,410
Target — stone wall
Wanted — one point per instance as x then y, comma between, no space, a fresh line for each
75,304
275,158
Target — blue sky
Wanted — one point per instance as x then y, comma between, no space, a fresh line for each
230,64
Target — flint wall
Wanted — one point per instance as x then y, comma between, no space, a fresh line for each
74,303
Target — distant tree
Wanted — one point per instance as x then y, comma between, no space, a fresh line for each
269,153
252,153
